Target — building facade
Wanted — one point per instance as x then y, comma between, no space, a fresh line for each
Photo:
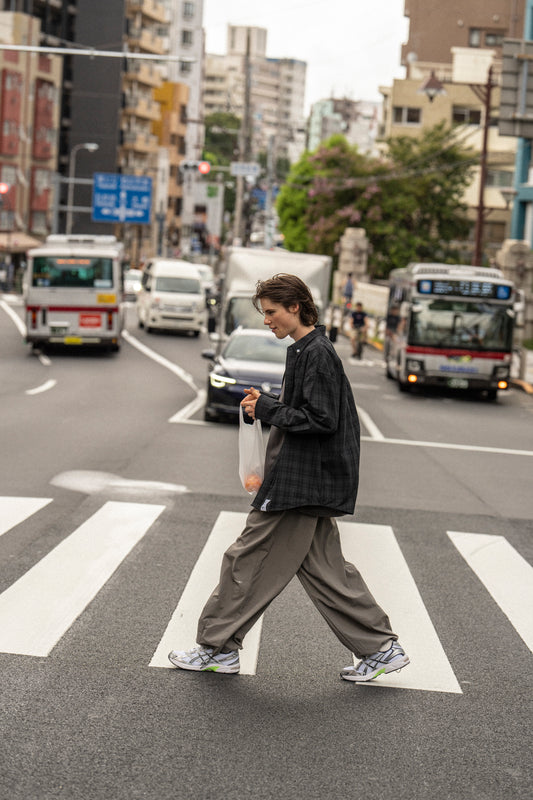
274,102
357,120
456,44
29,122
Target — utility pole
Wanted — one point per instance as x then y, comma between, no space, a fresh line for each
485,94
245,143
269,222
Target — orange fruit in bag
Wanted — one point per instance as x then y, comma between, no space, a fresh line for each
252,482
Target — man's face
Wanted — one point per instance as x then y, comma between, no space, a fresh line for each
281,321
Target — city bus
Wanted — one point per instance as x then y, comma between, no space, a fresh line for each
455,328
73,292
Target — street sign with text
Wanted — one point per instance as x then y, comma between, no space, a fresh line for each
121,198
243,169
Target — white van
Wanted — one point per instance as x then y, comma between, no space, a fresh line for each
171,297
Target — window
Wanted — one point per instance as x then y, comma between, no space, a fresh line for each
188,10
186,37
474,37
493,39
499,177
461,115
403,115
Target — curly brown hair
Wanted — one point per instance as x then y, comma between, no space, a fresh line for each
288,290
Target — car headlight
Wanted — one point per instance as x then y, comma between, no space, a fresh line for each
218,381
414,366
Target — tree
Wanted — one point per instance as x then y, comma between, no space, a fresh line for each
409,203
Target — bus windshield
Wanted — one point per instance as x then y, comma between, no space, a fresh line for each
73,271
461,324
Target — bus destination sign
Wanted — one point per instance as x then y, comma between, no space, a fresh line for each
486,290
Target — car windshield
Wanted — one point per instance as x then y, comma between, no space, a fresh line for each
459,323
257,348
181,285
73,271
242,314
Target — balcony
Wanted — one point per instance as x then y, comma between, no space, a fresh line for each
146,41
143,73
141,142
140,106
150,9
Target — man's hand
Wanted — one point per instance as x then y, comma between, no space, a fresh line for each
250,400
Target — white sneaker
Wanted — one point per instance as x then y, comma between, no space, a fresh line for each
377,664
201,659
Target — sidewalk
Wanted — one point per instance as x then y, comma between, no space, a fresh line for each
526,384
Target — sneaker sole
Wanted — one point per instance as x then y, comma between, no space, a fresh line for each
222,669
395,667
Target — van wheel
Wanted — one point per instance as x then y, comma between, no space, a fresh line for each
403,386
196,334
140,323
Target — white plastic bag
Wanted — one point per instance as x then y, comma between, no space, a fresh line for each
251,454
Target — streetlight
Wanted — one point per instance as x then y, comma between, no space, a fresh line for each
92,147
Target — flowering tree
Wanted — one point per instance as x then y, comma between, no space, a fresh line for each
409,203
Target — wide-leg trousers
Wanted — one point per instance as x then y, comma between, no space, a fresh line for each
272,549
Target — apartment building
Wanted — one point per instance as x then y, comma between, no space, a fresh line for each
29,120
277,91
456,43
357,120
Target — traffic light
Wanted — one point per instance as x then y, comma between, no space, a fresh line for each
203,167
4,189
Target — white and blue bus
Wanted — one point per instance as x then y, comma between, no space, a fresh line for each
455,328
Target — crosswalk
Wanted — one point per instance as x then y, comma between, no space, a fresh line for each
39,608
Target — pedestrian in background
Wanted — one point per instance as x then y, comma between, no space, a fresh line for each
311,477
359,330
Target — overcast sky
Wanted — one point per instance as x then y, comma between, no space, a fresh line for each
351,46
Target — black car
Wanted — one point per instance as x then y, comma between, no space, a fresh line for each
249,358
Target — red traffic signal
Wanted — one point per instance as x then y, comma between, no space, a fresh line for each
204,167
4,188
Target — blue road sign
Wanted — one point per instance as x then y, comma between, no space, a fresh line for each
121,198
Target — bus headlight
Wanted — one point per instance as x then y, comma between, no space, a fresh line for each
501,372
414,366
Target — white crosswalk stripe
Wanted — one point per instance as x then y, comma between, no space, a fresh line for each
181,630
38,609
41,606
507,576
376,553
14,510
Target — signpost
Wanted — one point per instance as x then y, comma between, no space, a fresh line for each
243,169
121,198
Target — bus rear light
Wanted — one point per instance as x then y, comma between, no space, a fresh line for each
33,313
412,378
502,384
109,320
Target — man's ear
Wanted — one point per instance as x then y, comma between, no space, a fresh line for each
294,308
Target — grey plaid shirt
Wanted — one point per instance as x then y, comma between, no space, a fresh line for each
318,463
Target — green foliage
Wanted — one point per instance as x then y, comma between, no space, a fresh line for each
410,204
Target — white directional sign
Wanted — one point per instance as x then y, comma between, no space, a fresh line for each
242,168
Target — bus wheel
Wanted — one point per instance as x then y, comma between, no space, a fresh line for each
492,394
404,386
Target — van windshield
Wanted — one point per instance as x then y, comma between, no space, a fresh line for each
181,285
73,271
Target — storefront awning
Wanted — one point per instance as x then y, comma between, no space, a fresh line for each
17,242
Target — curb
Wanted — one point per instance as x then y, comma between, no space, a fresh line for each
518,383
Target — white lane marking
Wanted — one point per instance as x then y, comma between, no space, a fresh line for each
364,386
15,317
370,425
41,606
180,633
45,361
189,410
14,510
449,446
164,362
504,573
93,482
43,387
374,550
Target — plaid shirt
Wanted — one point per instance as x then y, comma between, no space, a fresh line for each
318,464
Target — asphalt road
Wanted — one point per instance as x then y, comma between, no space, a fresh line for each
111,517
